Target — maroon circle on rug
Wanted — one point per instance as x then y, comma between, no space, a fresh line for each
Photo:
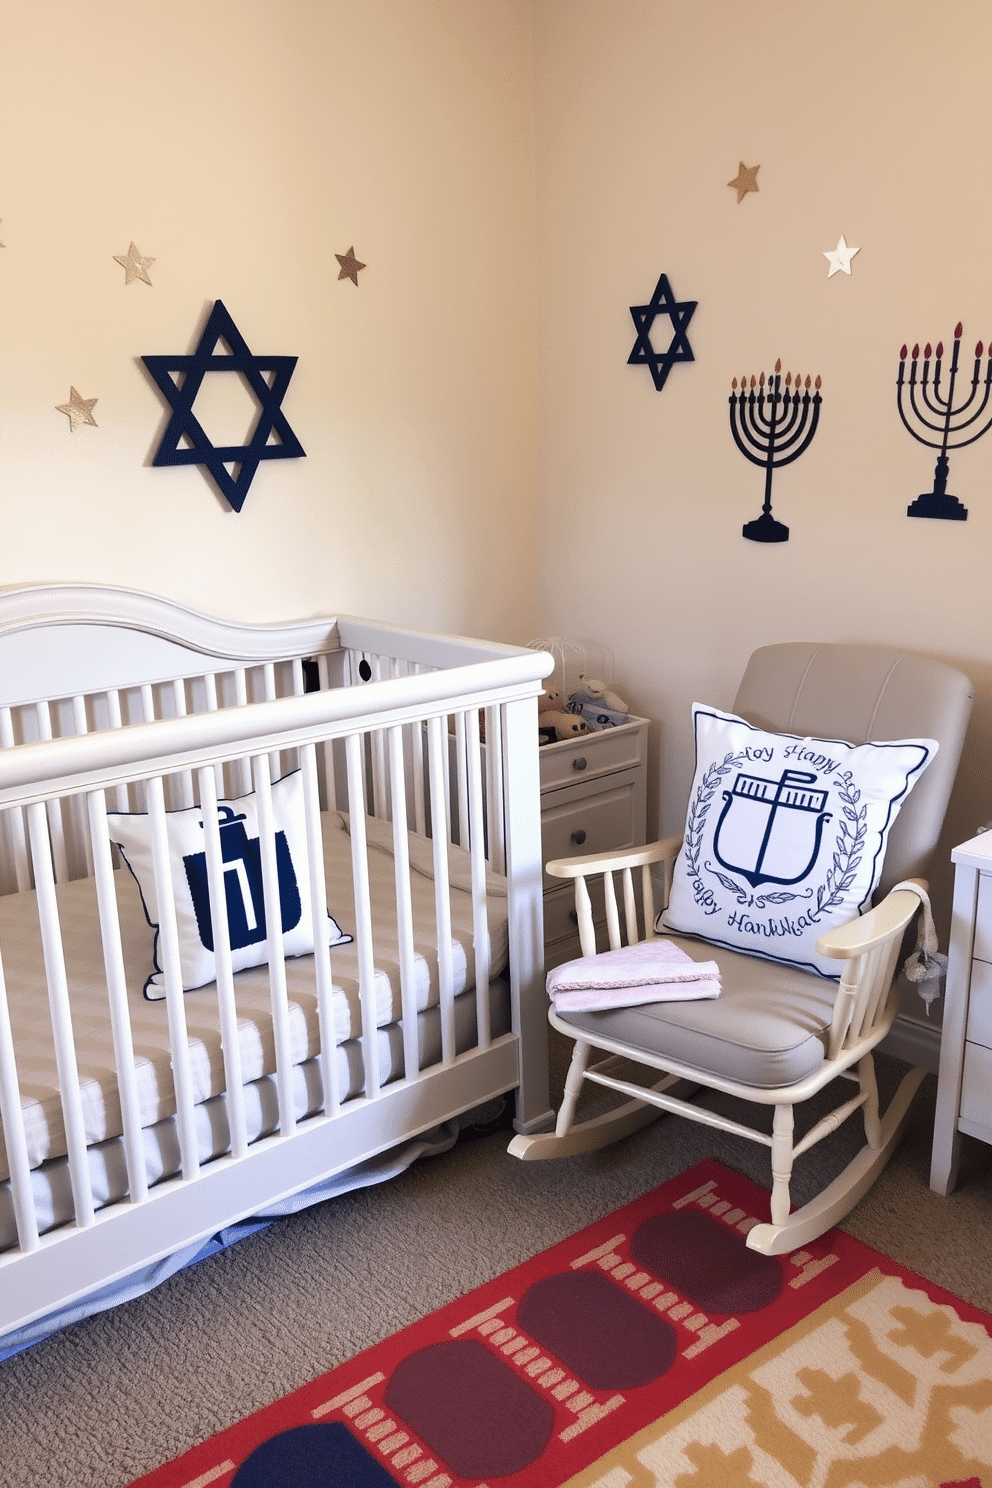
707,1262
471,1409
606,1337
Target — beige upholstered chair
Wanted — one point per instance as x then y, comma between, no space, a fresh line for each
777,1034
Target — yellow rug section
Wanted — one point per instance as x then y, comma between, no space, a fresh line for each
879,1388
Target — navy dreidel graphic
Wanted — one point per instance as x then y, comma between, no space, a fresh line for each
242,858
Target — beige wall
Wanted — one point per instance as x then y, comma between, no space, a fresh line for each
242,144
868,118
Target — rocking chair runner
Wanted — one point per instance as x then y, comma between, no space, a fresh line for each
777,1034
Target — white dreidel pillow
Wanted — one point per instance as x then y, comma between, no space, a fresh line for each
784,836
241,851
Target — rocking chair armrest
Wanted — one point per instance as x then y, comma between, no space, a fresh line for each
875,927
617,858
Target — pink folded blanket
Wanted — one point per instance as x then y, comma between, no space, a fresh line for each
651,971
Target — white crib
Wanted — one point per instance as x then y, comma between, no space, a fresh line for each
143,1111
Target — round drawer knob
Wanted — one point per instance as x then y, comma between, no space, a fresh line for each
579,836
573,916
579,763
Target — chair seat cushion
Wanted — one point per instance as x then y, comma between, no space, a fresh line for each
767,1028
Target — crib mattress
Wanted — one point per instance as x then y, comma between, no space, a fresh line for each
20,945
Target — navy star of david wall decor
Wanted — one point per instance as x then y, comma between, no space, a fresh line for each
679,312
268,378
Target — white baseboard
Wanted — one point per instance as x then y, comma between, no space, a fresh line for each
916,1043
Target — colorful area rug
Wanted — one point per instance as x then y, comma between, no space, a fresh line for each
652,1348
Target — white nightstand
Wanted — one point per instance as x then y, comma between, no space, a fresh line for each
593,797
964,1086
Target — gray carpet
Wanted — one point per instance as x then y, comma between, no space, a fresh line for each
117,1395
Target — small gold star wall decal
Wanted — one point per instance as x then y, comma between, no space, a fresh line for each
349,265
134,264
78,410
746,180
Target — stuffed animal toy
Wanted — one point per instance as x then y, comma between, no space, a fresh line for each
598,704
598,693
549,701
554,725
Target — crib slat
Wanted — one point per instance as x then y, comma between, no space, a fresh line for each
15,818
437,759
211,700
495,815
459,812
120,1022
262,780
297,687
241,769
327,747
417,767
318,911
183,782
404,906
270,693
115,717
480,920
168,947
12,1116
363,913
378,747
226,1007
43,714
58,1001
79,836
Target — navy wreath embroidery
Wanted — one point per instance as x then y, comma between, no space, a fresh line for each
846,857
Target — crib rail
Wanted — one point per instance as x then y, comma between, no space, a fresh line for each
434,740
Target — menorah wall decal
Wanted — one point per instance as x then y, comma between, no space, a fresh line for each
772,428
925,411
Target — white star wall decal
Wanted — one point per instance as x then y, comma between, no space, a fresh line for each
840,258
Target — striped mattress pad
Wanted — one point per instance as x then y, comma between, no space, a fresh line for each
23,970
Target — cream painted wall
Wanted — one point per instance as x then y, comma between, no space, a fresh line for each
447,483
869,120
242,144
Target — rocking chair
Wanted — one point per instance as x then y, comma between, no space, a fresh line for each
776,1034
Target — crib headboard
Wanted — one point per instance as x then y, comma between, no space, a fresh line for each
96,659
63,641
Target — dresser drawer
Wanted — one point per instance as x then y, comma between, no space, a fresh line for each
593,755
983,919
980,1004
976,1087
593,817
560,919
